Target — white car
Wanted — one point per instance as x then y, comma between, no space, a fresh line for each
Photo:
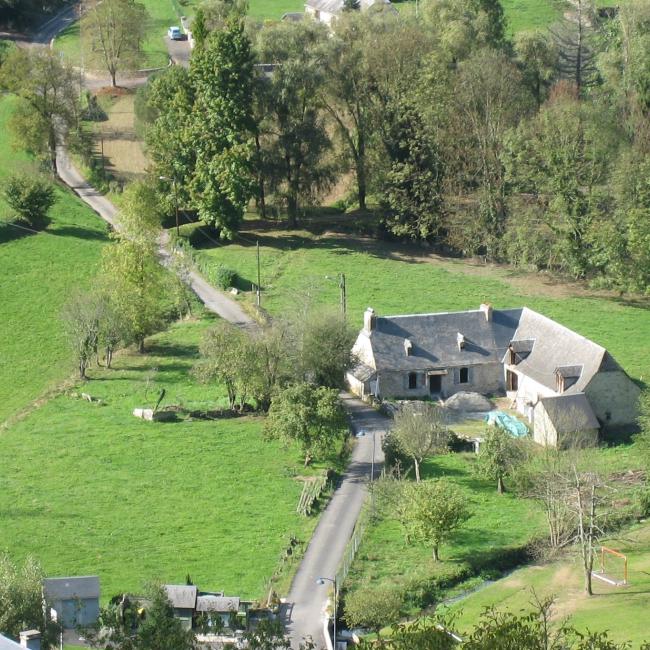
175,33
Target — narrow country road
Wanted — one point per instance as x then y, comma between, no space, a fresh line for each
306,601
212,298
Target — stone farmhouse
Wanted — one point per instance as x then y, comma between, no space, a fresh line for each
326,11
560,381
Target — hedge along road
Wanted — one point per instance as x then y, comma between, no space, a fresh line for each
306,600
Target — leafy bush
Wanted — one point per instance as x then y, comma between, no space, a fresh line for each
30,197
225,277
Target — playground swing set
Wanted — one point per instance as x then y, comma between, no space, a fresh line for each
610,574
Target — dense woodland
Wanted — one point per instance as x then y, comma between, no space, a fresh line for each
532,150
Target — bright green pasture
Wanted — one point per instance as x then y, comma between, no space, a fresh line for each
621,610
39,273
88,488
498,522
295,268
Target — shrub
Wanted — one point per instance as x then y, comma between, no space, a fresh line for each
225,277
30,197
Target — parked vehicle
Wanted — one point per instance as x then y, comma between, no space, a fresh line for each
175,33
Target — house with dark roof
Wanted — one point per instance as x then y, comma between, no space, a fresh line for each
326,11
561,381
183,601
75,599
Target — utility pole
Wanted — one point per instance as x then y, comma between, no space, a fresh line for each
259,281
343,294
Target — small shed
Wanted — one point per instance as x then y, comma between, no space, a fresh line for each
227,608
75,599
183,601
561,417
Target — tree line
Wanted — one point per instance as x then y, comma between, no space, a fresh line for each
532,150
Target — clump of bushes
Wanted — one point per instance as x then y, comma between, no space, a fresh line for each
30,198
225,277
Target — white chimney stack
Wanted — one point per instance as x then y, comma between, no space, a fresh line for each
30,639
486,308
369,319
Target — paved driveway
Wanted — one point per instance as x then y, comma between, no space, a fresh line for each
324,554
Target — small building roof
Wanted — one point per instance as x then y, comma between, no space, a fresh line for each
362,372
82,587
217,604
181,596
8,644
335,6
570,413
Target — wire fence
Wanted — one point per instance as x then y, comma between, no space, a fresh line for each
354,543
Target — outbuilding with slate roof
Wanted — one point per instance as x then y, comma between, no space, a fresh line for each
75,599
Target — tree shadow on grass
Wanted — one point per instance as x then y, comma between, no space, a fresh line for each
189,351
80,233
9,233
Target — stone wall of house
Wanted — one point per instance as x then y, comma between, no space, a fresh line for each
362,350
487,378
614,398
545,433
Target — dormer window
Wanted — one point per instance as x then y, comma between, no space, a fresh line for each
460,340
408,347
566,376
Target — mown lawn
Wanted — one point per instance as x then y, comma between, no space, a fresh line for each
298,267
498,523
88,488
621,610
39,273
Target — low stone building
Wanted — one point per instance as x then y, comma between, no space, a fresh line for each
74,599
183,601
519,352
326,11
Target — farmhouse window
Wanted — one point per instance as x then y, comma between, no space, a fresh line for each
463,377
413,380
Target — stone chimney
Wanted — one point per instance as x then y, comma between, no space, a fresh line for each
30,639
486,308
369,320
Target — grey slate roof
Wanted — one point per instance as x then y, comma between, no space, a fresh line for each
217,604
556,348
8,644
181,596
570,413
71,588
434,339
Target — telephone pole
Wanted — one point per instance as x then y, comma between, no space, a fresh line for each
259,281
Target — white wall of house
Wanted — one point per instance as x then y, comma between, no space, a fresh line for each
614,398
528,393
322,16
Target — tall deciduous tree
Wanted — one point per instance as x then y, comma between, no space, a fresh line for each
113,33
537,56
294,135
434,510
311,417
221,127
490,99
48,107
420,431
81,317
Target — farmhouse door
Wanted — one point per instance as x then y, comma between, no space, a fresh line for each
435,383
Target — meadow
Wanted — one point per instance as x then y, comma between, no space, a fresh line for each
620,610
299,267
39,273
90,489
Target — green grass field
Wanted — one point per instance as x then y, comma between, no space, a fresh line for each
296,266
39,272
621,610
90,489
498,522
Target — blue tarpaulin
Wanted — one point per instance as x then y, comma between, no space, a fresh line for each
511,424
